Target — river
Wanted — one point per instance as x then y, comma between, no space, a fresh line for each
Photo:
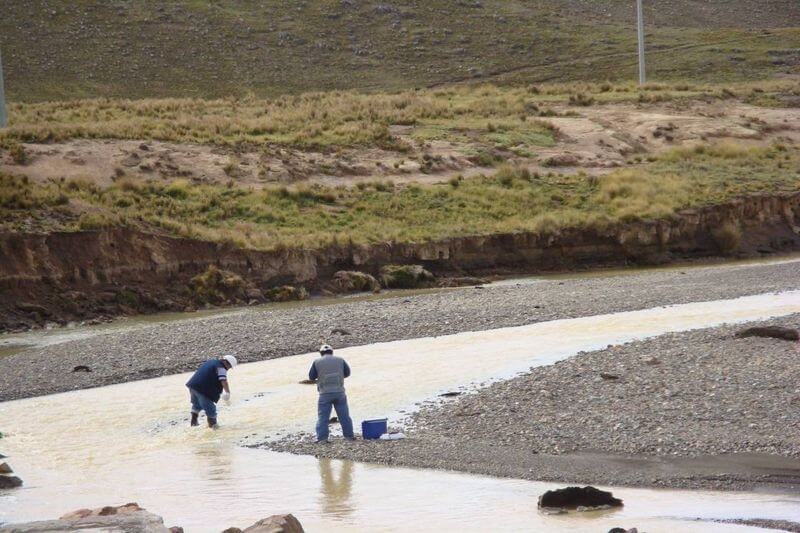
131,442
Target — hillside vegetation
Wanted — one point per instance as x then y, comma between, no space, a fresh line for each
64,49
511,200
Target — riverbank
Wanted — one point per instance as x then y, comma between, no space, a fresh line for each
258,334
697,409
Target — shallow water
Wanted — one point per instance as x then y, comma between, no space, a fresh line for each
130,442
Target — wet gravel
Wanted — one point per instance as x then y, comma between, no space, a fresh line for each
258,334
645,413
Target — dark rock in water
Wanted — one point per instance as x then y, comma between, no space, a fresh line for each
572,498
308,382
81,368
450,394
5,469
176,529
333,420
232,530
283,523
774,332
10,482
623,530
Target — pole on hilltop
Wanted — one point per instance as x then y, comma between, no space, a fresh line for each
640,28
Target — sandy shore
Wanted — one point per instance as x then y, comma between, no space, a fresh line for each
258,334
694,409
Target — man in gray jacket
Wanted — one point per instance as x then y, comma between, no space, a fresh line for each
329,372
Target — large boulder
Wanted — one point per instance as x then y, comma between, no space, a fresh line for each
346,281
129,518
774,332
279,523
406,277
577,498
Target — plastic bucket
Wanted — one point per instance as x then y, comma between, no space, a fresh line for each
373,429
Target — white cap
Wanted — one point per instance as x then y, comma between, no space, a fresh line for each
325,348
231,359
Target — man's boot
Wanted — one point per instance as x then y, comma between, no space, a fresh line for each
194,419
212,423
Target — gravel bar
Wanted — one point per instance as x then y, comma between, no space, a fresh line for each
258,334
697,409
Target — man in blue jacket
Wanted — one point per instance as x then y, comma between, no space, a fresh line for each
207,385
329,372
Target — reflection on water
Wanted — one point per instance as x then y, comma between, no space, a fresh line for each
337,484
131,442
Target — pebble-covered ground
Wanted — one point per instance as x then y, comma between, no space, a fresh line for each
619,416
258,334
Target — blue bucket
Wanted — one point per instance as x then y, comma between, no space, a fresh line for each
373,429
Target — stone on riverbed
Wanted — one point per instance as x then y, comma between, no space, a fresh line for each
5,469
577,498
127,518
10,482
279,523
774,332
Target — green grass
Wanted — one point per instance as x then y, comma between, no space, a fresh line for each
68,49
512,200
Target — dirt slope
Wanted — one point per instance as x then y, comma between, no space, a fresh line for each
597,141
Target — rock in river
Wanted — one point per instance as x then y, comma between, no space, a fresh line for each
10,482
281,523
572,498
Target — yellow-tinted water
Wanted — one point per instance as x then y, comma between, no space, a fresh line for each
130,442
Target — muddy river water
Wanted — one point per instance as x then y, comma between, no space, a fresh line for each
131,442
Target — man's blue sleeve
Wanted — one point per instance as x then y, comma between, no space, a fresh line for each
312,374
346,369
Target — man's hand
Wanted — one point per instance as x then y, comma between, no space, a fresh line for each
226,396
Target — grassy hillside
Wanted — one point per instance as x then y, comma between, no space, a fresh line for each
56,49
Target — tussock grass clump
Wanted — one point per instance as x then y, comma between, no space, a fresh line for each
19,193
216,285
18,154
581,99
728,237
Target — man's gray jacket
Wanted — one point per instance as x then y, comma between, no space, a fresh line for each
329,371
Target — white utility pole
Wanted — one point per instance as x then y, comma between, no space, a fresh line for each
640,19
